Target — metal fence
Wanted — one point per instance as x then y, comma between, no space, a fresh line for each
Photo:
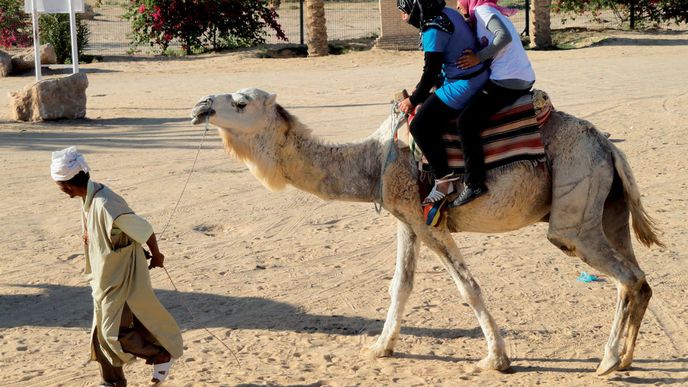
110,32
346,19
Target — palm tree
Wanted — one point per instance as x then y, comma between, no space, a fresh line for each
317,29
540,33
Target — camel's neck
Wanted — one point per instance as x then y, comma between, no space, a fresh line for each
349,172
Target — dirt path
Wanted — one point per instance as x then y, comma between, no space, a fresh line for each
297,286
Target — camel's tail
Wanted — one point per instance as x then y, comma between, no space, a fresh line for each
643,225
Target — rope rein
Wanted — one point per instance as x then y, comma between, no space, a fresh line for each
391,156
397,116
193,317
198,151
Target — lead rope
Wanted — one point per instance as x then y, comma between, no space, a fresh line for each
193,317
391,153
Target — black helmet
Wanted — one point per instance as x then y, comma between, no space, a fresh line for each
420,10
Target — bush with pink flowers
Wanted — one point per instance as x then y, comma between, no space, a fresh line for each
200,25
15,25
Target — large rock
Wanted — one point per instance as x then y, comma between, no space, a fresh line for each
51,99
5,64
25,61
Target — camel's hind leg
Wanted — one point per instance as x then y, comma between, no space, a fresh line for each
442,243
399,290
596,251
635,318
576,224
617,231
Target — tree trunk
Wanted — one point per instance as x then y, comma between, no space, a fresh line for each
540,33
317,29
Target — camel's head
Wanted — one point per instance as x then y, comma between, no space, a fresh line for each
252,126
246,111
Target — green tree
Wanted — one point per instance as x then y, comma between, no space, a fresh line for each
54,29
657,11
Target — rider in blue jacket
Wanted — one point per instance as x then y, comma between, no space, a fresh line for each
445,35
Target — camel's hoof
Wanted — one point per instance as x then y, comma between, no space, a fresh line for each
625,364
377,350
495,362
608,365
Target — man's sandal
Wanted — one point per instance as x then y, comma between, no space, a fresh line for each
161,371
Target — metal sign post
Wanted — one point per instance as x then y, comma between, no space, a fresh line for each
50,6
36,43
72,30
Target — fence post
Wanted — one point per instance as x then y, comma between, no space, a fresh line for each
301,20
632,14
526,31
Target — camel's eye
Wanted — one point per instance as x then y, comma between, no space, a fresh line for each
240,105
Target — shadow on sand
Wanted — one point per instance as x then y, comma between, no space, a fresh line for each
581,366
121,132
640,42
70,307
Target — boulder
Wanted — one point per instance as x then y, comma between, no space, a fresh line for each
5,64
51,99
24,60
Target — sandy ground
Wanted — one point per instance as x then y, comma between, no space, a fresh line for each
296,286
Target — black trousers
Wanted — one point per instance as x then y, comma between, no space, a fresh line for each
474,119
427,129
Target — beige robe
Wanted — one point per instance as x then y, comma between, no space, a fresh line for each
118,274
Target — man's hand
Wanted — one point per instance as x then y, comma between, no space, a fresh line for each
406,106
157,260
467,60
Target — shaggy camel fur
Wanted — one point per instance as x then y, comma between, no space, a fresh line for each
585,191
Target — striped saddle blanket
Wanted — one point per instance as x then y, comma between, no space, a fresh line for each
512,135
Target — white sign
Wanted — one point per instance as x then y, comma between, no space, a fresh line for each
34,7
54,6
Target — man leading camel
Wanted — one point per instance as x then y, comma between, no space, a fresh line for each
128,319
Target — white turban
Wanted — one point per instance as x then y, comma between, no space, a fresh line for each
67,164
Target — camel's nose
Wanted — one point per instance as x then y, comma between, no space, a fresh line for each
202,108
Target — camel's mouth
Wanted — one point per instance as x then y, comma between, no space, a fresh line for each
195,120
202,110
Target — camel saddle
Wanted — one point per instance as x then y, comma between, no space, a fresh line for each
513,134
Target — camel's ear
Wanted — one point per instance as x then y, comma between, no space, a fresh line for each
271,99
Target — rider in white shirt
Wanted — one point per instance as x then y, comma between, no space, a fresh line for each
511,76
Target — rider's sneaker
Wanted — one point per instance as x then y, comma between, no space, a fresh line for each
469,194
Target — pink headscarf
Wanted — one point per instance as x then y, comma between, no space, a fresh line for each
471,4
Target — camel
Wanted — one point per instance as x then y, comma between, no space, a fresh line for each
584,189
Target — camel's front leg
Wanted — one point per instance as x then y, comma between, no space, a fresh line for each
441,241
400,289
